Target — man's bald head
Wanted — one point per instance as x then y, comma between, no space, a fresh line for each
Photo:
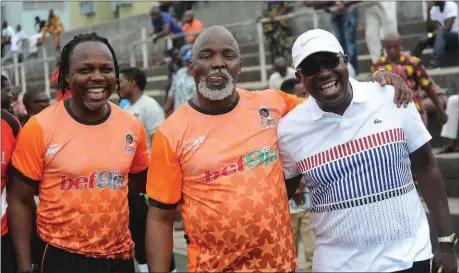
280,65
213,35
188,16
155,12
393,37
392,45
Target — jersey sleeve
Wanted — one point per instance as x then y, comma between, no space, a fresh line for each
164,183
291,101
27,159
140,161
415,130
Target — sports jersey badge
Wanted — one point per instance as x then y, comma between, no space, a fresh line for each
129,146
266,120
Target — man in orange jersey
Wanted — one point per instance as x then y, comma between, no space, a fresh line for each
10,131
217,157
81,153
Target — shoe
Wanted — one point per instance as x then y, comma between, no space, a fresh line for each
432,65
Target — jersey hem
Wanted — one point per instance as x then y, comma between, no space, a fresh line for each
24,178
161,205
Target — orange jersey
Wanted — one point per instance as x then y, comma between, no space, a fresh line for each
224,171
82,169
10,131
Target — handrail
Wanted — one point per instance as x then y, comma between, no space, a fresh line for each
260,38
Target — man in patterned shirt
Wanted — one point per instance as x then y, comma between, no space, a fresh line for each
183,87
412,71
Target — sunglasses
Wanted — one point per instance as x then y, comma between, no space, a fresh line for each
312,64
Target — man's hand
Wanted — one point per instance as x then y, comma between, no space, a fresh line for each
443,117
445,258
403,93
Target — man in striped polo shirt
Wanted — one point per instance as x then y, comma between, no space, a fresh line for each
356,151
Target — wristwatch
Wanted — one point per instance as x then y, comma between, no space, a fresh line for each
430,35
452,239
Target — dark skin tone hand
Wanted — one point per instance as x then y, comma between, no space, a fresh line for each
425,169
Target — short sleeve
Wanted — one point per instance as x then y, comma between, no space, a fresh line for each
164,183
451,11
154,117
27,159
291,101
167,19
290,169
415,130
140,161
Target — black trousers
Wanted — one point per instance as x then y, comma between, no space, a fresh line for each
418,267
138,211
8,258
56,260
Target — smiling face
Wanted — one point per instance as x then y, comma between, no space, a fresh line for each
325,76
91,77
215,65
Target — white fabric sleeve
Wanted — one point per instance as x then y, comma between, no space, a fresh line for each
415,130
154,116
451,10
290,169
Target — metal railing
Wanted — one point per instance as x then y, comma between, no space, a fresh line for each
144,41
19,68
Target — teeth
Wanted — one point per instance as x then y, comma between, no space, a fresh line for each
96,90
330,84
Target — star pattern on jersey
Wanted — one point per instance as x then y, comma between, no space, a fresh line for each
96,222
241,227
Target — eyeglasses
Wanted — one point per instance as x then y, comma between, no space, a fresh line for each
312,64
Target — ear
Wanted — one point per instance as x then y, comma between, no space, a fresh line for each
240,67
298,75
346,59
191,67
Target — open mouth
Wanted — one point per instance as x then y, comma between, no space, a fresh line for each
96,93
330,88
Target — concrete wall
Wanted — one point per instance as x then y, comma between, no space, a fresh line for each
14,14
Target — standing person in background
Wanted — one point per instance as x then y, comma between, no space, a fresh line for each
277,31
282,73
7,33
39,24
150,114
449,130
145,108
344,24
183,87
54,27
191,24
60,94
16,45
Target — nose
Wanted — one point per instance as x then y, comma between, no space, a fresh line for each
97,75
218,61
323,72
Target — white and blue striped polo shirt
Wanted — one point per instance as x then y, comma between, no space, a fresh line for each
365,210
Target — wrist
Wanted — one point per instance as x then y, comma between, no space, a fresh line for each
376,73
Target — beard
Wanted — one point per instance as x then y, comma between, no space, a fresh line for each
213,93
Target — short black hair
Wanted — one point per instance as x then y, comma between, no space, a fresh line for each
133,73
288,86
67,51
4,80
29,94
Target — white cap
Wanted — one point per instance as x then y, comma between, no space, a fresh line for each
313,41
